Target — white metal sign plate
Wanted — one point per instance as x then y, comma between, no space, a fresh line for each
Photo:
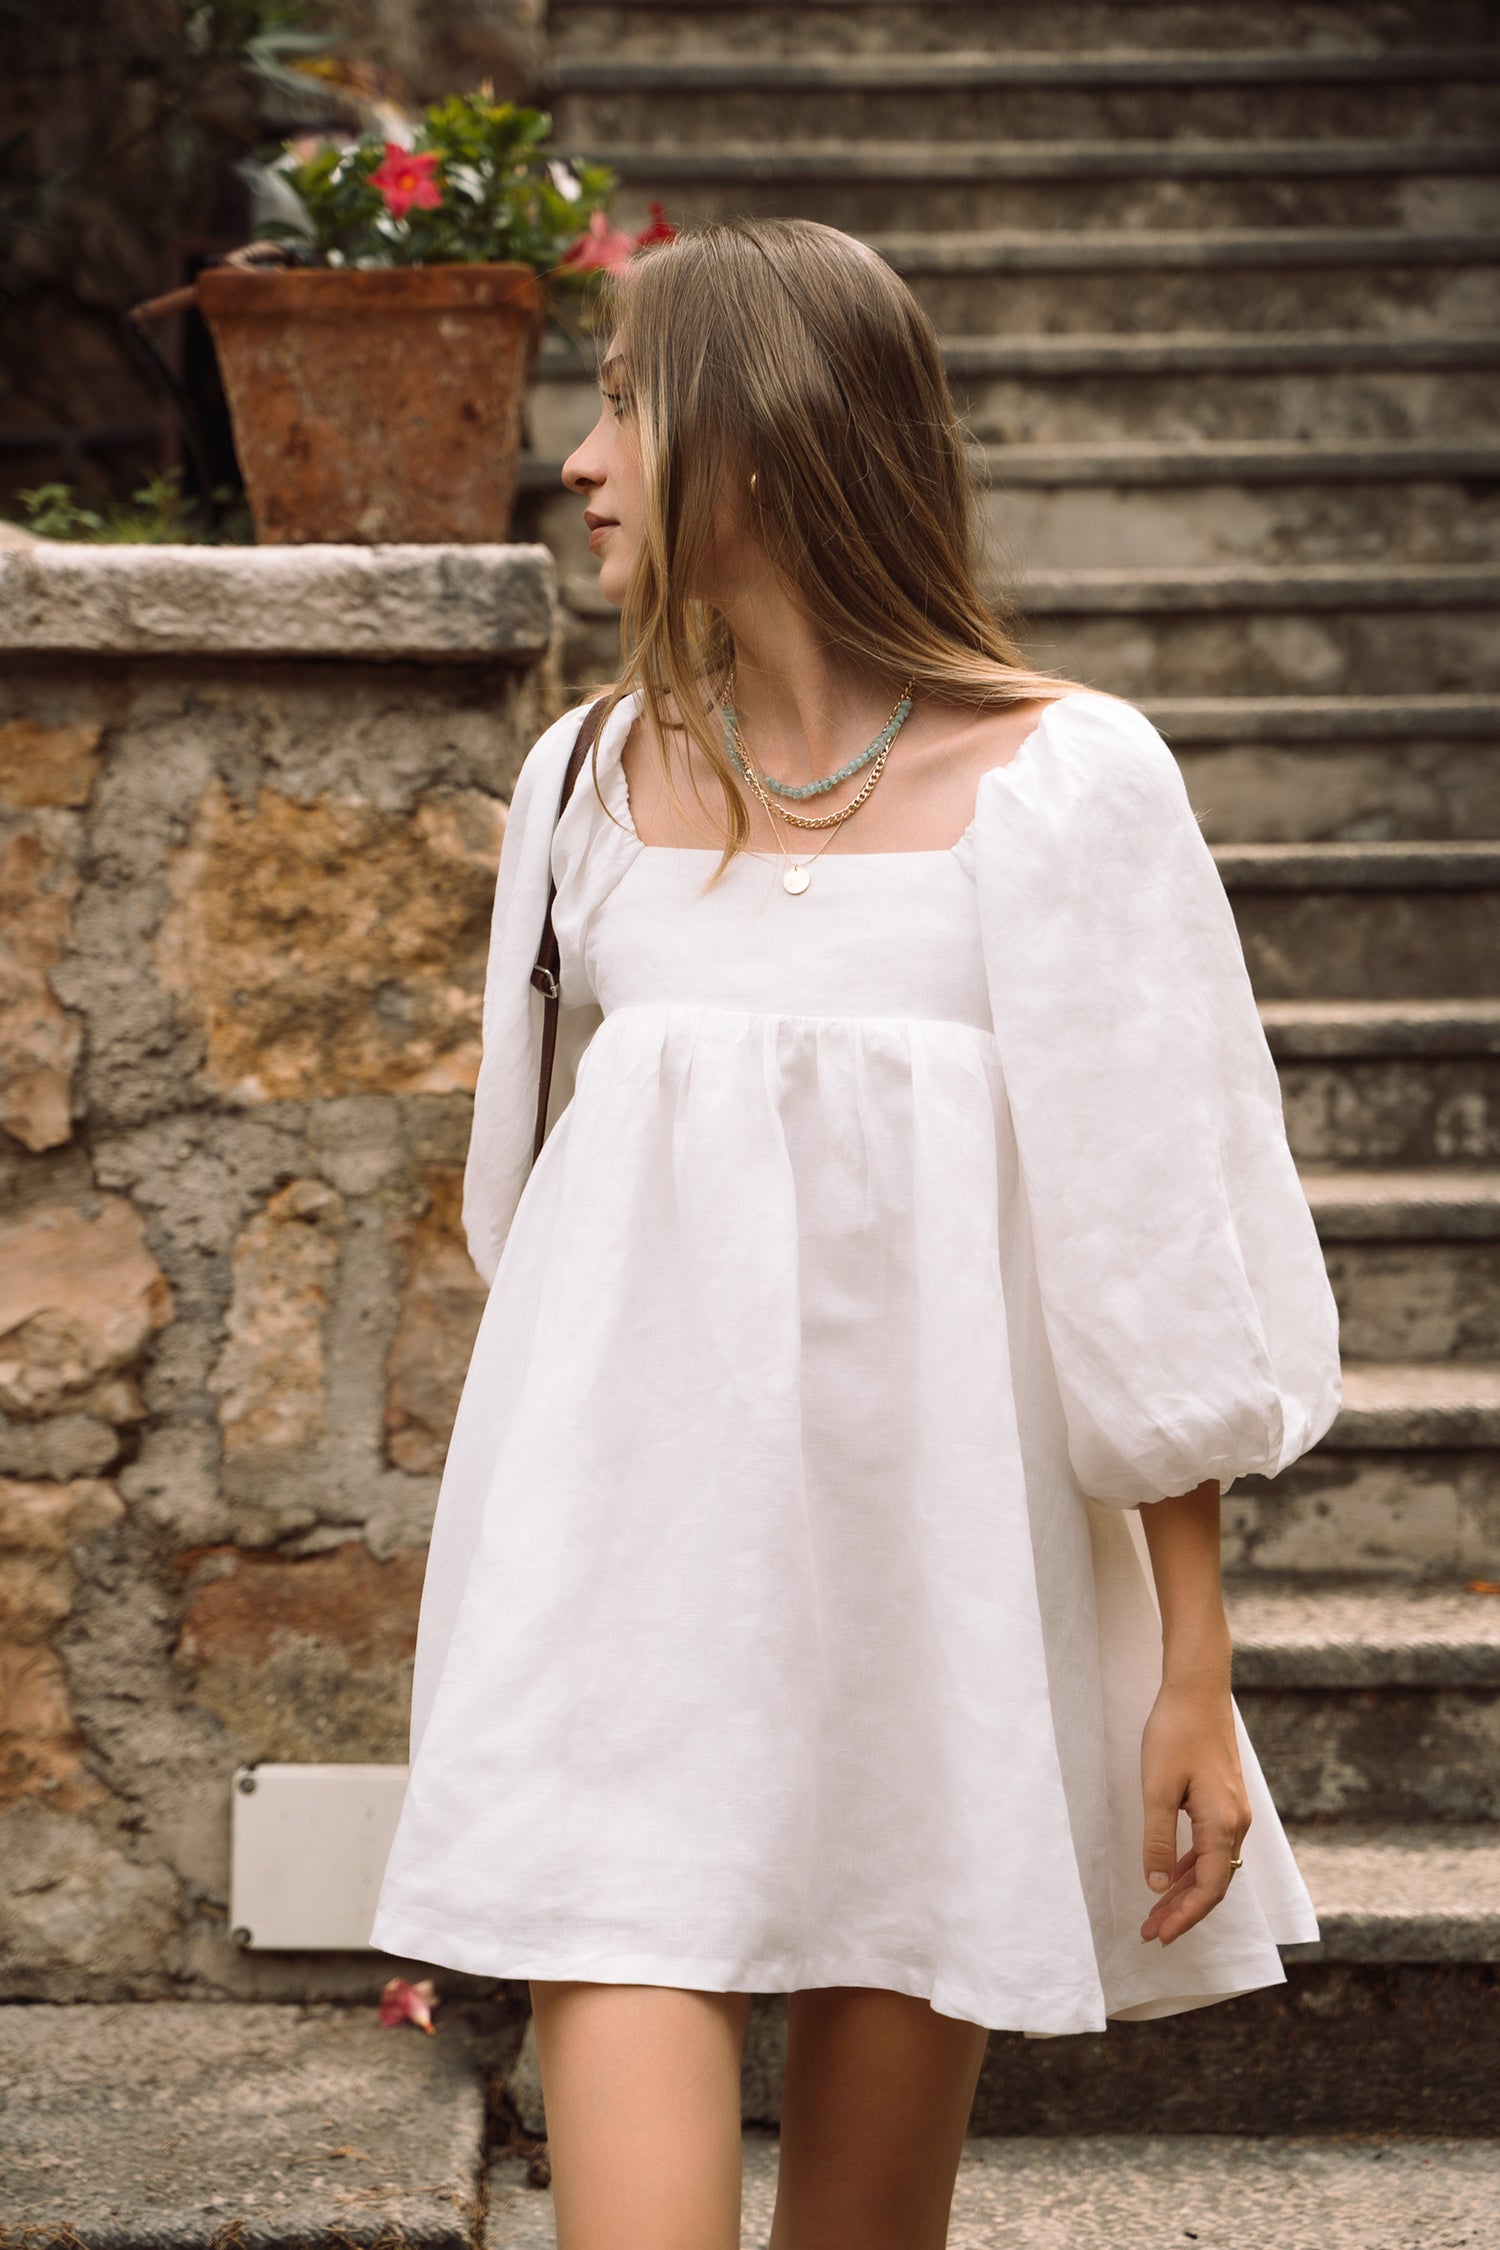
308,1847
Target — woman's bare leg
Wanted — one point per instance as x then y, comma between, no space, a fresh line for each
641,2084
874,2110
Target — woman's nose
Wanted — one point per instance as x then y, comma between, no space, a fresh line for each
577,474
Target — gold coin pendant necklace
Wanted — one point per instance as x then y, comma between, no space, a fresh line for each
797,872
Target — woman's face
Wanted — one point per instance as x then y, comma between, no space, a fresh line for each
606,472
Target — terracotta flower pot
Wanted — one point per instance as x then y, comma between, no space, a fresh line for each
376,403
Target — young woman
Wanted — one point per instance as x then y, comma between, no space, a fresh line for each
824,1593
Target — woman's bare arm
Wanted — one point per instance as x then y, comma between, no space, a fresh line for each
1189,1755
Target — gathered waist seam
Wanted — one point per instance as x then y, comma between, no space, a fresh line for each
717,1010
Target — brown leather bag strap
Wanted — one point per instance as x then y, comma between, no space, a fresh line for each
548,960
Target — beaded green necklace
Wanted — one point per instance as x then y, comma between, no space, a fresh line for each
883,741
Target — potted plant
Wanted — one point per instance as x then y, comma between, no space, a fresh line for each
376,372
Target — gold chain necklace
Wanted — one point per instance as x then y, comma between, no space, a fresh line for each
796,873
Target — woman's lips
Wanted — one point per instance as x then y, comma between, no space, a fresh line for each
599,531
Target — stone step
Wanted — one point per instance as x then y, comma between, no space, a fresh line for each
1225,182
1405,1406
1140,512
1182,250
1285,590
1360,867
1371,283
1156,466
1405,1206
1267,631
672,30
1337,769
797,160
957,71
173,2126
1414,1259
1386,1083
1406,1486
1417,1299
1322,385
1372,1701
1336,1635
1366,921
1405,296
1093,2191
866,99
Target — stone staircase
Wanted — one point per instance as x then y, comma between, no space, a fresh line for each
1220,298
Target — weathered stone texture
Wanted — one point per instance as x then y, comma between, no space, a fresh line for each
270,1379
48,765
80,1299
332,948
441,1304
304,1659
41,1748
248,906
396,600
39,1039
83,1918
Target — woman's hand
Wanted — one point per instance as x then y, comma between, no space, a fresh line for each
1190,1758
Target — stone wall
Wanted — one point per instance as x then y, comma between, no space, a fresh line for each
246,867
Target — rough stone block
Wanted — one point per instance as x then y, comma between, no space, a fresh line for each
69,1445
442,1300
42,765
333,948
304,1658
39,1038
344,601
82,1917
81,1296
41,1748
270,1378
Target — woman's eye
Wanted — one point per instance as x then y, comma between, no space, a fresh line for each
615,401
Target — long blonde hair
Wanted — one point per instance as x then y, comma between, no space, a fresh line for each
783,349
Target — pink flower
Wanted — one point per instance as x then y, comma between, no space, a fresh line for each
600,248
406,181
401,2002
660,228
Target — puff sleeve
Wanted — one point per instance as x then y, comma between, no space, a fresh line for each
499,1156
1186,1303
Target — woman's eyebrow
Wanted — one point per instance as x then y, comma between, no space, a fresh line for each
605,366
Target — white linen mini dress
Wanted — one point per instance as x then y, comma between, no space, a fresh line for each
788,1619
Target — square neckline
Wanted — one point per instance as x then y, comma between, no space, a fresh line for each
715,851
